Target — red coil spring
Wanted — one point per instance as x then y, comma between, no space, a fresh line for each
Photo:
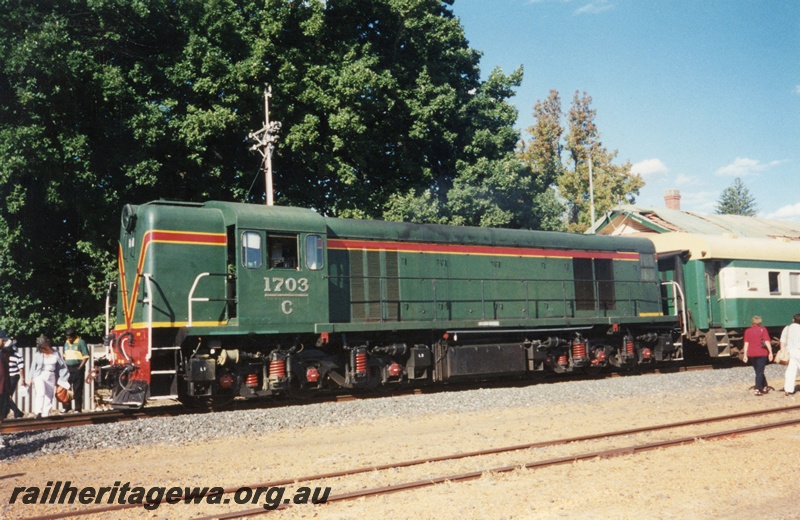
578,350
562,360
629,346
361,362
277,368
252,380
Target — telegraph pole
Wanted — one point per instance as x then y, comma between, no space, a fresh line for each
591,190
264,140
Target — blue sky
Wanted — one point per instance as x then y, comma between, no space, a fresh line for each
694,93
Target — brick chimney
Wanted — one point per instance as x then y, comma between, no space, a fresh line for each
672,199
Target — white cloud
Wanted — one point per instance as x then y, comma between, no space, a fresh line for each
790,212
650,168
743,166
797,89
596,7
686,180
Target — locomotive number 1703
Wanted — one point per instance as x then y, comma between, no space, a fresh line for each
279,286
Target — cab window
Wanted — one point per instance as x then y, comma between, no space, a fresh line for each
282,252
251,250
314,257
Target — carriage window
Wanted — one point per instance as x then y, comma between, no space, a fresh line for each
251,249
794,283
314,258
282,252
774,283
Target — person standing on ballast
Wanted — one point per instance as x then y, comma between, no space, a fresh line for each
76,354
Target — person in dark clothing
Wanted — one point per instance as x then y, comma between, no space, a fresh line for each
76,354
757,348
5,379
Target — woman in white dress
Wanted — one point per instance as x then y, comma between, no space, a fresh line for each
48,369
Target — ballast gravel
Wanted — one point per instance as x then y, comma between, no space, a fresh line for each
181,430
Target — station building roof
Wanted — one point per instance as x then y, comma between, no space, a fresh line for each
631,219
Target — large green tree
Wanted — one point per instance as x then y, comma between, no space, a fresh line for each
104,102
736,199
493,187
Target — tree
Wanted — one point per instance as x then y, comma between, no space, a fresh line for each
736,200
105,102
612,183
542,155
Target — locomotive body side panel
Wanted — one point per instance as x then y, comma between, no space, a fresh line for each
466,277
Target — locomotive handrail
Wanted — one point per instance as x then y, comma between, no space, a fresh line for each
192,299
149,301
679,290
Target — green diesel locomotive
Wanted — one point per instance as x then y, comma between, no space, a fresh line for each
219,300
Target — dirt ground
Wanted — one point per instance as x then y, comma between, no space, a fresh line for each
740,477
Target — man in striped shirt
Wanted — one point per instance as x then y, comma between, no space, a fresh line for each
16,370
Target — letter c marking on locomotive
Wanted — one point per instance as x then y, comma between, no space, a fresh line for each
286,307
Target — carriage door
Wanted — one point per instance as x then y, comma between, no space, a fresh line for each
670,269
712,294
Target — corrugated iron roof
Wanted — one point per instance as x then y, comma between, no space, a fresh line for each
659,220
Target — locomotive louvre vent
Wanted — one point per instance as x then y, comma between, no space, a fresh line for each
392,287
373,281
357,282
374,293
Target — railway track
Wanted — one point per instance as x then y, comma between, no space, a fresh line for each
753,424
108,417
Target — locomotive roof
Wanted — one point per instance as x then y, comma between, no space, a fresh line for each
275,218
726,247
291,219
435,233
